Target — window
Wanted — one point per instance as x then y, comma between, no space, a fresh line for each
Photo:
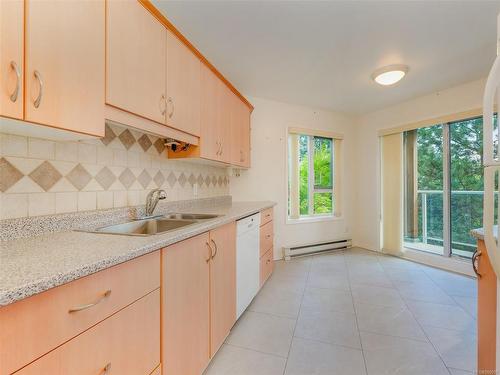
444,186
311,175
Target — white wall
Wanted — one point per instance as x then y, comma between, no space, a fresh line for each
366,232
266,180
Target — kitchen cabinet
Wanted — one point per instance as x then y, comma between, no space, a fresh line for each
65,63
125,343
240,133
199,299
26,335
11,58
266,245
222,284
183,86
185,306
135,60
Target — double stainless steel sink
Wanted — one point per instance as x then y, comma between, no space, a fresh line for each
156,225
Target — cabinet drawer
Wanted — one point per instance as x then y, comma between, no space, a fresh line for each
266,216
34,326
266,237
266,266
126,343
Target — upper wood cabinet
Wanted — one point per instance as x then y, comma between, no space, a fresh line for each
11,58
209,139
183,87
224,96
240,133
136,60
65,64
222,284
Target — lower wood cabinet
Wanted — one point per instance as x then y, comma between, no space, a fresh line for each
198,299
127,343
186,306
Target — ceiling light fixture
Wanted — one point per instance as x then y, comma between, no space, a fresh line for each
389,75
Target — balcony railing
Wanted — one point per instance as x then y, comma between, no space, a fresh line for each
466,208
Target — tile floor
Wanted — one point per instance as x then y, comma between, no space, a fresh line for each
355,312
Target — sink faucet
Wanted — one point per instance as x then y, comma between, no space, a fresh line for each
152,200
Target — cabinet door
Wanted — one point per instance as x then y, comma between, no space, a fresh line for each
240,133
185,306
209,107
245,114
224,122
183,87
11,58
222,284
65,58
136,60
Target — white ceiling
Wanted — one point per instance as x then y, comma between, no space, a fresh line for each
322,54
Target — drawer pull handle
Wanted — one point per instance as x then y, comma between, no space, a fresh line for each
268,236
268,215
106,294
15,68
216,248
106,369
38,99
210,251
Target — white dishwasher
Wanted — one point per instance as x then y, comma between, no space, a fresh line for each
247,261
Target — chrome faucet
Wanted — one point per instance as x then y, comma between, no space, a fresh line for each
152,200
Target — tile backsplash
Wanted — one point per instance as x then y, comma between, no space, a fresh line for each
43,177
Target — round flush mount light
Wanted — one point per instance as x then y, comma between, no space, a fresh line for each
389,75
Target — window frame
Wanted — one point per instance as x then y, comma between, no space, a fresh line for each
312,188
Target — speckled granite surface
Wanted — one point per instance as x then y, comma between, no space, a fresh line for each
479,233
32,265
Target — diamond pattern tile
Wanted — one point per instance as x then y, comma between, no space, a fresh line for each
9,175
199,180
191,179
214,180
105,178
144,179
160,145
171,179
159,179
182,179
109,135
207,181
79,177
127,138
219,181
127,178
45,175
144,142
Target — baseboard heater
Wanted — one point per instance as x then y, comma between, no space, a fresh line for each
314,248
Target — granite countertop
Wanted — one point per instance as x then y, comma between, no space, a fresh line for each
479,233
32,265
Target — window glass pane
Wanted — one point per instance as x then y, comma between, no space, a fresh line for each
467,184
323,163
424,189
304,175
323,203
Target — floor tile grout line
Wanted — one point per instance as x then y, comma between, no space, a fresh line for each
255,350
298,316
425,333
356,318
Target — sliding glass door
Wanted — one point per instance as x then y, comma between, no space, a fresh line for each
444,187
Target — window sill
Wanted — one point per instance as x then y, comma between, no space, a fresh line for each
313,219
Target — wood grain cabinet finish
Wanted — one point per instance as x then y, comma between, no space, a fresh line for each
65,64
34,326
127,343
240,133
266,237
266,266
11,58
266,216
183,87
222,284
185,306
135,60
